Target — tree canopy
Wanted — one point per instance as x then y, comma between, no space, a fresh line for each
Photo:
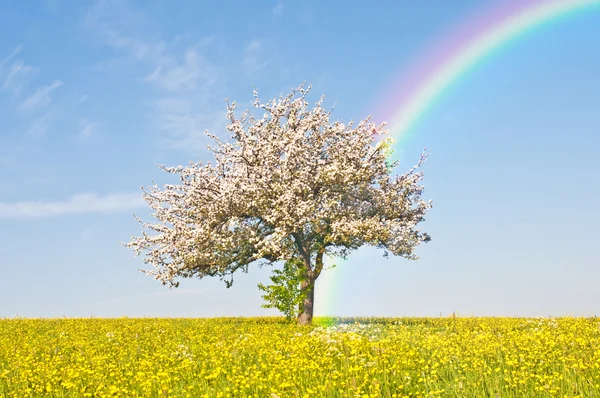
289,186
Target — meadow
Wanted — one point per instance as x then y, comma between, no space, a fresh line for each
267,357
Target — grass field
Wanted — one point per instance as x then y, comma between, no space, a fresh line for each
265,357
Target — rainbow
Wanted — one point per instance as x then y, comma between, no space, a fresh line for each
411,96
465,47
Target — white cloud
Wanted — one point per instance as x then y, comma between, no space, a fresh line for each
278,9
254,46
188,74
87,233
11,56
87,129
182,73
40,125
82,99
186,123
17,73
171,70
41,97
76,204
252,61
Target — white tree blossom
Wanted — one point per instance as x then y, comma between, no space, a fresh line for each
289,185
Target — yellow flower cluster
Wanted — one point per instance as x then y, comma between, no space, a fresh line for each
265,357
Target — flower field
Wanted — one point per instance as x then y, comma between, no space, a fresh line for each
265,357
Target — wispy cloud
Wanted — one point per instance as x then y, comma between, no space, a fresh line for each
186,123
41,97
40,125
171,69
253,57
183,74
82,99
307,15
87,129
16,51
15,73
87,233
187,74
76,204
278,9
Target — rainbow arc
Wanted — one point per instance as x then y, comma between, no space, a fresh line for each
450,59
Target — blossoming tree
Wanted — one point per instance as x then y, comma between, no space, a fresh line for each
291,185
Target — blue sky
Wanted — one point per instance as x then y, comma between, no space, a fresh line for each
94,94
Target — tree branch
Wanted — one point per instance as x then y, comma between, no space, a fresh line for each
319,263
301,249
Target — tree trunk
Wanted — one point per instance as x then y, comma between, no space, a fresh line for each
306,311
